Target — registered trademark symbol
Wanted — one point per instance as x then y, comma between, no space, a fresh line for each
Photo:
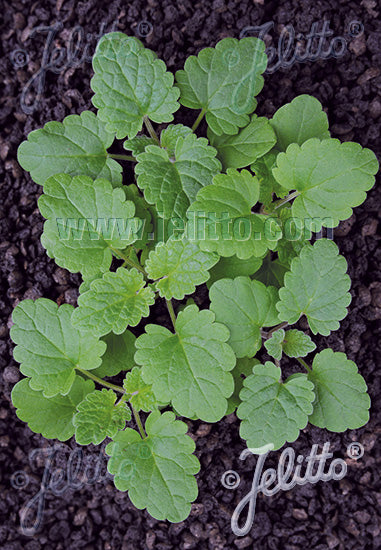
355,450
355,28
144,28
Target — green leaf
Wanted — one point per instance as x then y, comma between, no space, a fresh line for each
172,183
263,169
77,146
139,394
317,286
114,302
330,178
223,81
180,266
191,367
341,400
49,348
295,236
243,368
229,268
273,412
293,343
244,148
138,144
98,417
119,354
53,417
300,120
86,221
221,219
243,306
170,135
129,84
156,471
142,212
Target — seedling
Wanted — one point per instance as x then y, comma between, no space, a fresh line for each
236,211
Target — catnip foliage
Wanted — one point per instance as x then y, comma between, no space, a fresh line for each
237,210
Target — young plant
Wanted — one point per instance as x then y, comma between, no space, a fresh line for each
236,211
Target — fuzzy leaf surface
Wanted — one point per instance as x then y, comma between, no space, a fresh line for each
49,348
158,471
77,146
130,82
86,221
98,417
51,417
243,306
223,82
342,401
316,286
191,367
114,302
273,412
139,394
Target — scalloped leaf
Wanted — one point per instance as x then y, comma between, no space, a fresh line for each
330,178
316,286
138,144
156,471
114,302
172,183
293,343
244,306
273,412
170,135
341,400
223,81
130,82
138,393
119,355
98,417
180,266
221,220
77,146
86,221
263,169
244,148
301,119
191,367
49,348
53,417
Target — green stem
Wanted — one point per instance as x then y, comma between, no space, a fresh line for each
302,362
171,313
128,261
139,422
198,120
289,198
121,157
150,129
100,381
278,327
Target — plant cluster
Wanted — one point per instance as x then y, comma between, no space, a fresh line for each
236,210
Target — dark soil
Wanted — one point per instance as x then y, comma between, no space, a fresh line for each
339,514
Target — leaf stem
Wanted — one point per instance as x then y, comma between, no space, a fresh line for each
150,129
128,261
268,334
198,120
302,362
100,381
121,157
289,198
171,313
138,422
